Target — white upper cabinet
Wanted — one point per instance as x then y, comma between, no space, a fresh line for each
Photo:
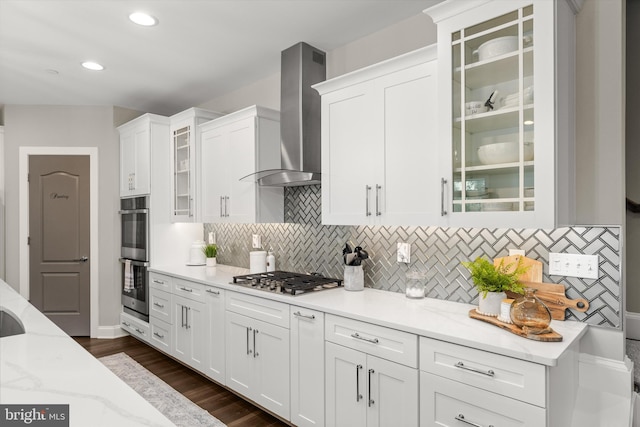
233,147
136,140
505,109
379,143
185,151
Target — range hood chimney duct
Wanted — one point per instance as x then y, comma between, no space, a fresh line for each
302,66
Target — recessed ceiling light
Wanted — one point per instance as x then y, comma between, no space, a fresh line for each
143,19
93,66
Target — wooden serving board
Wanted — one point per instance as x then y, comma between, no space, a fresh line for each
552,336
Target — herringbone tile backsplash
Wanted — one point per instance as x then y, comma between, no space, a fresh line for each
303,244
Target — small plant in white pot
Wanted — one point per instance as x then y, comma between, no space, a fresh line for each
210,252
492,281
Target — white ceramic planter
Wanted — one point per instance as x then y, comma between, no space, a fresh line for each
490,305
211,262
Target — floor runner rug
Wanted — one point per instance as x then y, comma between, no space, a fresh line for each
173,405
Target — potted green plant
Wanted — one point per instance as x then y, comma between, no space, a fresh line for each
492,281
210,252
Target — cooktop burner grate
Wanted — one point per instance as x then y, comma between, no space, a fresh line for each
286,282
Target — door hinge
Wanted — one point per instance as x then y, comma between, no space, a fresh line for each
28,240
28,177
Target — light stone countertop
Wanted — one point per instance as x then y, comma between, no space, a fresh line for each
428,317
45,366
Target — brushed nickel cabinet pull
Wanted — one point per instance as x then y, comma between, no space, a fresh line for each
371,401
358,395
461,417
378,187
488,373
358,336
306,316
443,212
367,189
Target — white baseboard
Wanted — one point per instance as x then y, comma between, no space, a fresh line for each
632,325
110,332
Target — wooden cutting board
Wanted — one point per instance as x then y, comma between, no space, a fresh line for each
533,274
553,295
547,337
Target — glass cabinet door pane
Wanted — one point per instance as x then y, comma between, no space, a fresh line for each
493,117
182,172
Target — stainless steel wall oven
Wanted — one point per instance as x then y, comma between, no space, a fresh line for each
134,217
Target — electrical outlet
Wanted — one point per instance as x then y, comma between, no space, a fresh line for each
404,252
516,252
256,241
573,265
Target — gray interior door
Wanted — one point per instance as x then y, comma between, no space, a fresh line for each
59,240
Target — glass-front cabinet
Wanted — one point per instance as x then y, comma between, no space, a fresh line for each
499,110
184,152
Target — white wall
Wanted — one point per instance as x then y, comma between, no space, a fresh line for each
2,205
403,37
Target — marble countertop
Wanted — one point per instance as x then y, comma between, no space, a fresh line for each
45,366
428,317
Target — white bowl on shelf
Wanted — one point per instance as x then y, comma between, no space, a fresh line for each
503,152
496,47
497,206
474,107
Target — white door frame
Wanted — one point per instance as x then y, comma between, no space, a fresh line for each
23,188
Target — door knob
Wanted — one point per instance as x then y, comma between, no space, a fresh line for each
83,259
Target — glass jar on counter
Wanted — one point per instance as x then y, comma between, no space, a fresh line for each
415,284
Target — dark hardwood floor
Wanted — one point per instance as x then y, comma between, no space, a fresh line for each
217,400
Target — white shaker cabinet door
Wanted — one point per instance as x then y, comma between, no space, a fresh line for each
392,394
346,382
271,357
307,367
214,174
240,360
215,341
410,178
241,204
352,156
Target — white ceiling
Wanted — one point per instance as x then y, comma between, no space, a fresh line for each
201,49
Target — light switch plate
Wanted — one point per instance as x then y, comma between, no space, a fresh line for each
404,252
573,265
256,241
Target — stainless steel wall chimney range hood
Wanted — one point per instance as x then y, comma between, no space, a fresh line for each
302,66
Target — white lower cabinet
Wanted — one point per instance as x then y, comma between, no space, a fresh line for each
307,367
364,390
136,327
257,354
189,330
449,403
371,374
215,340
465,386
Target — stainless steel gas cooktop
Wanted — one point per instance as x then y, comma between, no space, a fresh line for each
287,283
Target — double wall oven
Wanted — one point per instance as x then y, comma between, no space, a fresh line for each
134,253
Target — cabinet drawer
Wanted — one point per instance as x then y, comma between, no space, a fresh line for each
503,375
266,310
387,343
136,327
187,289
160,305
160,335
160,281
449,403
